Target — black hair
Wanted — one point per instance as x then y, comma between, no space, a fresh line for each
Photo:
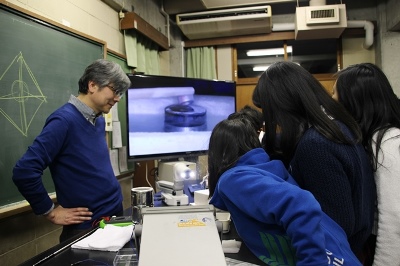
250,114
230,139
103,73
366,93
292,100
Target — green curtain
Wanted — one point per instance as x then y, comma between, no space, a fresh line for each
141,53
200,63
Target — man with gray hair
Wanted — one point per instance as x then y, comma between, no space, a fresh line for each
73,146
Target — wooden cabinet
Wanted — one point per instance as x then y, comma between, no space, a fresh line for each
245,88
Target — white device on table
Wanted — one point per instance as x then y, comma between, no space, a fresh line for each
173,176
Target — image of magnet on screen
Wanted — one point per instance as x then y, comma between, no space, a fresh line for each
171,117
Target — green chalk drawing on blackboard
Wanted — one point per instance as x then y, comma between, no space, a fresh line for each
23,89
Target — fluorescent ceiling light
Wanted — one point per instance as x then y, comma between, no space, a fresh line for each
265,67
270,51
260,68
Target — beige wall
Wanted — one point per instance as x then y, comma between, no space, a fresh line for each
224,59
91,17
389,41
353,52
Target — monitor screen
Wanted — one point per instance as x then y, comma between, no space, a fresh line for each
170,117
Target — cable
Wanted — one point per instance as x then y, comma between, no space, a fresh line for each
147,178
204,181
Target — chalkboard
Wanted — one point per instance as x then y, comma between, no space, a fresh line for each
40,64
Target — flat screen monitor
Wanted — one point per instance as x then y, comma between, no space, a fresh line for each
172,117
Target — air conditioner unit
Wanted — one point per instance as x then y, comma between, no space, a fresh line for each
228,22
320,22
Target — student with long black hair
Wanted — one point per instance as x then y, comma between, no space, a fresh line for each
279,222
366,93
319,141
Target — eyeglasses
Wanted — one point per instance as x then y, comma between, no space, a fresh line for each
116,92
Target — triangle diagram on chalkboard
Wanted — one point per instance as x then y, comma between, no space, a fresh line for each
20,95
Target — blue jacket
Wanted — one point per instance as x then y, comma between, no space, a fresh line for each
78,158
279,222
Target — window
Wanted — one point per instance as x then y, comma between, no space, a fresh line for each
317,56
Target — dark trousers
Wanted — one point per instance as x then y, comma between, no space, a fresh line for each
69,232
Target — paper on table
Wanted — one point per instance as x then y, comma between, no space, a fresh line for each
231,246
111,238
235,262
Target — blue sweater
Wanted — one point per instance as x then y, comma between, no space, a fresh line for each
279,222
340,177
78,158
